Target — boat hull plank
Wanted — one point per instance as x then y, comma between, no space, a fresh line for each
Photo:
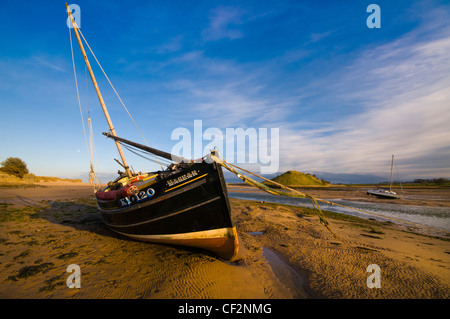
222,242
189,208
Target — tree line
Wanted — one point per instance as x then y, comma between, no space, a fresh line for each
14,166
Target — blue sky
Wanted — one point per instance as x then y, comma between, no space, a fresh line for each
344,97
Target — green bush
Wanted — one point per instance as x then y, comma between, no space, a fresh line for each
14,166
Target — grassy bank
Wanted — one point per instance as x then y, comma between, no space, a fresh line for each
30,180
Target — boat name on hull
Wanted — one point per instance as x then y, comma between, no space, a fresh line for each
182,178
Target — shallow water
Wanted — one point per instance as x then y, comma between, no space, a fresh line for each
287,276
254,233
435,217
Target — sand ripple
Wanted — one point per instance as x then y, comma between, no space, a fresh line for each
40,237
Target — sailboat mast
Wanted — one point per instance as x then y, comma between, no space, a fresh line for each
392,165
102,103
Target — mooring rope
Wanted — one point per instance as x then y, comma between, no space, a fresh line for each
294,193
221,161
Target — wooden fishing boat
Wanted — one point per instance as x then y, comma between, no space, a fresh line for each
185,204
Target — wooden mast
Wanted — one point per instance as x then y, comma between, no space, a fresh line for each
102,103
392,165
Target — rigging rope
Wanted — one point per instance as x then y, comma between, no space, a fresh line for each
398,177
135,151
76,85
294,193
93,154
92,177
117,94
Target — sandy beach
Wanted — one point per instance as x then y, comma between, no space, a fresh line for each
284,253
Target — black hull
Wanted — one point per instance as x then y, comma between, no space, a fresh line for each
189,207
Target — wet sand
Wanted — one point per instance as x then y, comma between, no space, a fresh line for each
285,253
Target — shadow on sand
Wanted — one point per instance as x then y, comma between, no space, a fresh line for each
82,215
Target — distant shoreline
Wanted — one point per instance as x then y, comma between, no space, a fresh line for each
31,180
419,196
41,184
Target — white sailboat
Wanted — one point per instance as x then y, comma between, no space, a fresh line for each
383,192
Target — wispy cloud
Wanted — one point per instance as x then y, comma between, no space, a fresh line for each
230,103
173,45
222,24
390,99
315,37
227,93
28,72
51,63
401,91
293,56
